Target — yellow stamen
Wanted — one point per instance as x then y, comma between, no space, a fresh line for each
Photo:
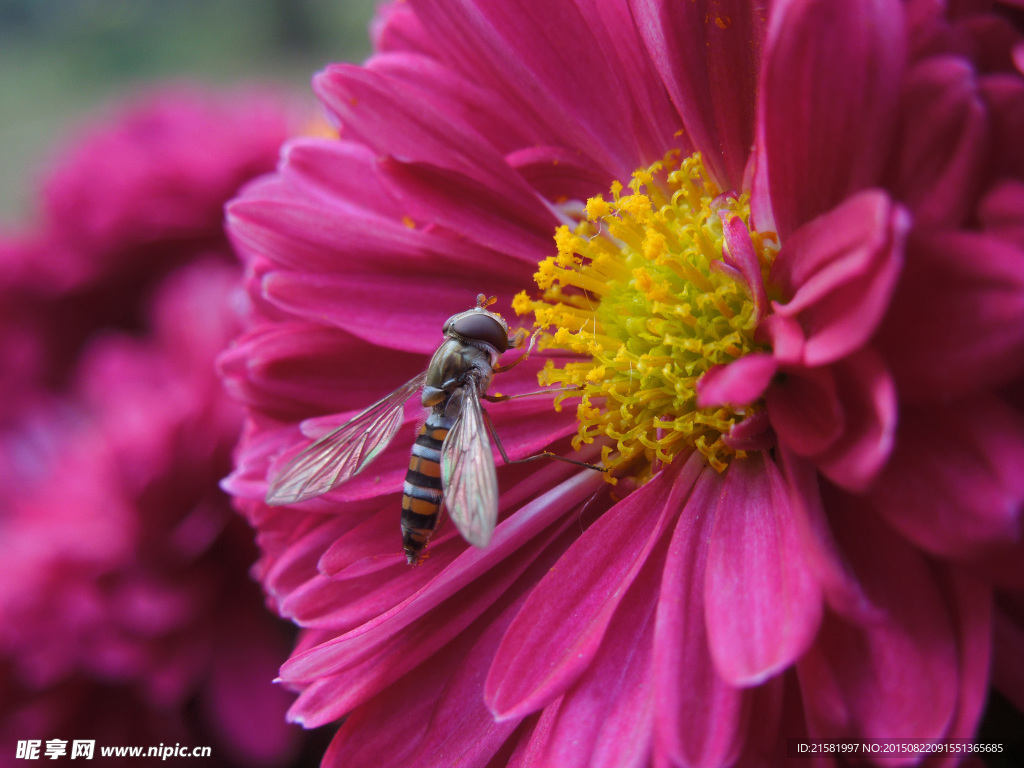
631,290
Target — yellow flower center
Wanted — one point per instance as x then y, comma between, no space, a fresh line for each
640,293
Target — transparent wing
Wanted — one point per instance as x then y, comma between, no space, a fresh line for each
467,473
345,452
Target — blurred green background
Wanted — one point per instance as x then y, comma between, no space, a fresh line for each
62,60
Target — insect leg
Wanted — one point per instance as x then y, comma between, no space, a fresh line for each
535,457
517,341
503,398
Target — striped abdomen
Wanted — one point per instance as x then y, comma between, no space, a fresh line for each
422,494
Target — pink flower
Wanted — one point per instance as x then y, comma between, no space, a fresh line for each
127,614
130,200
797,342
136,196
124,594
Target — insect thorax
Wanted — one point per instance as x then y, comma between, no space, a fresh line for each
456,363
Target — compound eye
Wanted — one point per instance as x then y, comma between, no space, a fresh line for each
481,327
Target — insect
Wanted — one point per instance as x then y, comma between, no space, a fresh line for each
451,459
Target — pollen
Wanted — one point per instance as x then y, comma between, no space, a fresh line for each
642,295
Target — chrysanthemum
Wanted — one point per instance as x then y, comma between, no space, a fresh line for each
133,197
127,615
777,254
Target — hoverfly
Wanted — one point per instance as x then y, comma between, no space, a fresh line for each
451,459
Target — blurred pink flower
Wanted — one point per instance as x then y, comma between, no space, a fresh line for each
131,199
823,533
127,614
124,593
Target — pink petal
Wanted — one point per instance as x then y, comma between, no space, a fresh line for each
559,174
1004,95
755,180
543,653
395,118
292,370
336,237
867,397
657,125
344,604
740,251
396,28
465,208
1002,212
725,268
762,603
700,719
253,453
838,272
607,718
603,114
897,675
741,382
525,427
954,485
708,55
403,310
754,433
347,670
481,110
367,547
534,731
832,569
805,410
956,323
785,336
326,211
446,722
246,712
294,234
368,574
291,555
928,29
335,173
944,142
972,607
829,87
